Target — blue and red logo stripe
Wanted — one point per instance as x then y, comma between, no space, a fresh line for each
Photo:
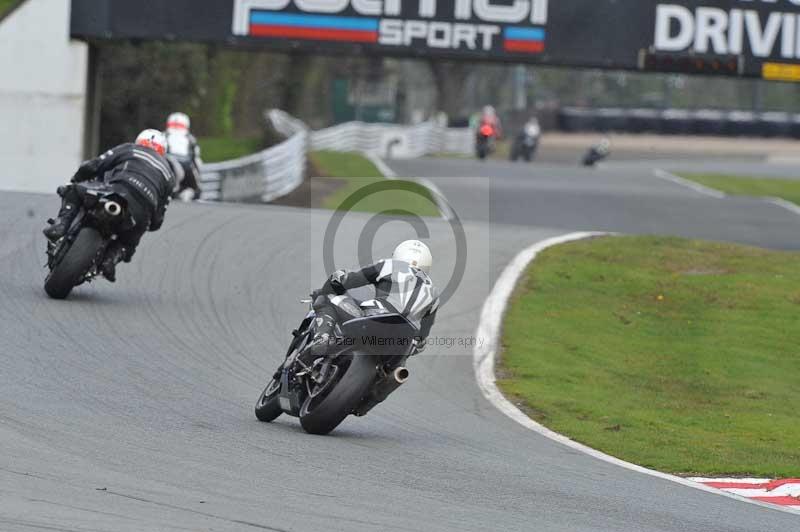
526,40
313,27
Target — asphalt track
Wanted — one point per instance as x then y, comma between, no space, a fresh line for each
617,196
129,407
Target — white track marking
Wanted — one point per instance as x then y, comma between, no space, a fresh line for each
714,193
788,205
697,187
441,201
489,328
380,165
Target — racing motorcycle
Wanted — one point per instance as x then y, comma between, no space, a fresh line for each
526,142
597,153
75,258
186,172
364,364
484,142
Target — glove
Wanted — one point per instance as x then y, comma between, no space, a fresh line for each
317,293
84,173
318,299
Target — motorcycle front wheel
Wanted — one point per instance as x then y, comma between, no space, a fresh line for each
77,261
268,407
332,401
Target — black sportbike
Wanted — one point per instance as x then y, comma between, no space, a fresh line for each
75,258
364,364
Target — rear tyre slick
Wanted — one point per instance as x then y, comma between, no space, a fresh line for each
321,416
77,261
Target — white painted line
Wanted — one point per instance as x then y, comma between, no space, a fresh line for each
438,196
489,328
714,193
697,187
788,205
441,201
380,165
783,159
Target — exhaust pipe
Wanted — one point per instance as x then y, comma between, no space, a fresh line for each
382,390
401,375
113,208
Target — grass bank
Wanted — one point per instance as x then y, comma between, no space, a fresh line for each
6,5
216,149
354,172
787,189
679,355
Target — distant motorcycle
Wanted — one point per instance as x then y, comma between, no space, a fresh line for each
597,153
484,142
186,172
75,258
365,364
526,142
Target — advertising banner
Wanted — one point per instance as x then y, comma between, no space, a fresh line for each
730,37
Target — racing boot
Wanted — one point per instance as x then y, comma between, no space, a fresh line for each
58,227
114,255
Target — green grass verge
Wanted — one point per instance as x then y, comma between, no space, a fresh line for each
679,355
357,172
215,149
787,189
344,164
6,5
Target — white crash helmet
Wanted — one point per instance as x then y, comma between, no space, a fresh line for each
179,122
153,139
415,253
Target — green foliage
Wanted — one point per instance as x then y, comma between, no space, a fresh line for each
224,91
358,172
344,164
142,84
788,189
678,355
6,5
215,149
225,119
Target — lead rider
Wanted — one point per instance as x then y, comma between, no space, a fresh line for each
402,285
140,174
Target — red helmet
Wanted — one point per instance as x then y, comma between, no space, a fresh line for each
153,139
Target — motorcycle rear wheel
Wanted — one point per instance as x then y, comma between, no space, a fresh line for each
77,261
322,413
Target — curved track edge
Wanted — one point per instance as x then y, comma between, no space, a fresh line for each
484,358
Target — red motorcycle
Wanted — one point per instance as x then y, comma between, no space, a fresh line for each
484,143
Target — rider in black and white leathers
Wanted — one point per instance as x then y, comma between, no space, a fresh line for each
140,174
402,285
183,152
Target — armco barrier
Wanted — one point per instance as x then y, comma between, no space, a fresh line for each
393,141
268,174
279,170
